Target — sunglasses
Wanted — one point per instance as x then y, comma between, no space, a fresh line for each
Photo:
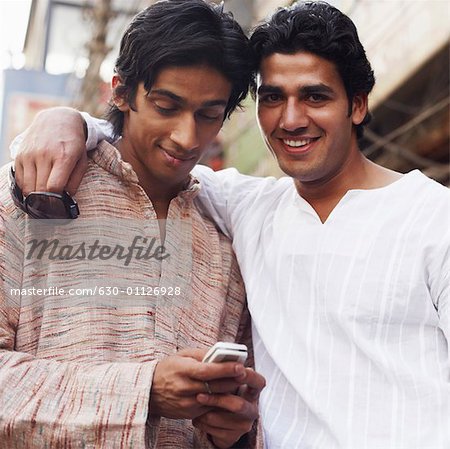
44,205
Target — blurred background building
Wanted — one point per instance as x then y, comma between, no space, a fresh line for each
70,46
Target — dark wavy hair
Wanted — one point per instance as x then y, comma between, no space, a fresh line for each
181,33
321,29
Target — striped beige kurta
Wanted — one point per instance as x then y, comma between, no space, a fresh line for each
76,369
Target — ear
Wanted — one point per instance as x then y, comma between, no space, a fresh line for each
359,108
118,94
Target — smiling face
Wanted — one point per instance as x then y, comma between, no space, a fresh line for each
303,112
173,124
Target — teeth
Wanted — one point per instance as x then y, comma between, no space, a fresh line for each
297,143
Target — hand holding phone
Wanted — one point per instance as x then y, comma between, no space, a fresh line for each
226,352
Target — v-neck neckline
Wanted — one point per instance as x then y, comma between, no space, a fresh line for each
306,206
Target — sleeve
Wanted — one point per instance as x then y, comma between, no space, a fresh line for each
437,258
15,145
97,130
440,286
50,404
444,307
225,195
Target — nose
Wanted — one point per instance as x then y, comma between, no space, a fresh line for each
185,133
294,116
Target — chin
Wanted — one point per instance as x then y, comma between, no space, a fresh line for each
303,174
291,168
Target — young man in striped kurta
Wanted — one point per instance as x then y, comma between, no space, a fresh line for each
104,369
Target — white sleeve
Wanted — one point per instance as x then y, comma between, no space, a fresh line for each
15,145
437,259
226,195
440,286
97,130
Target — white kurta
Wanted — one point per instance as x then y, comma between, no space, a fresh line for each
350,317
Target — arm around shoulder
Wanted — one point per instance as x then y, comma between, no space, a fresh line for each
51,154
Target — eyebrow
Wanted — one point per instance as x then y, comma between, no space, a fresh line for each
314,88
317,88
181,100
267,88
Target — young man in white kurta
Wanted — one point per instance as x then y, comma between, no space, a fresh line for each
351,316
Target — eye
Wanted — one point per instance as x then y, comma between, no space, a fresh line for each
316,98
210,117
164,109
270,98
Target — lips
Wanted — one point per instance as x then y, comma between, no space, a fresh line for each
184,159
175,159
298,145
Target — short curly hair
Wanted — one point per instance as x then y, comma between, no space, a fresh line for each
321,29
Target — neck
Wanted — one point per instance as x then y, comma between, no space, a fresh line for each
159,192
352,174
357,173
159,197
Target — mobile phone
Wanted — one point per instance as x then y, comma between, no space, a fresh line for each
226,352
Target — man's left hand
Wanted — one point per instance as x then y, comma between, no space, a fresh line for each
234,414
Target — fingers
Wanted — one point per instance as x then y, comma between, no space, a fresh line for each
171,394
67,170
212,430
212,371
215,387
255,383
248,393
18,168
27,178
230,403
194,353
75,178
64,173
224,385
43,170
224,420
214,420
185,377
50,150
58,176
225,428
222,437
